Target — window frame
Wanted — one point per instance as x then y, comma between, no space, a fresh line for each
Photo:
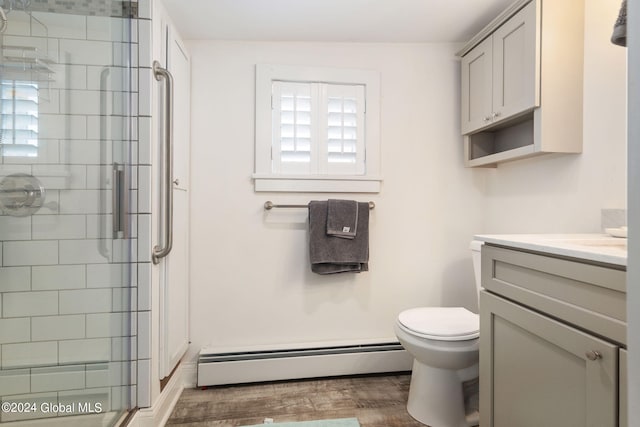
264,177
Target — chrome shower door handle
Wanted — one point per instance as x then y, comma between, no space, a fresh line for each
167,174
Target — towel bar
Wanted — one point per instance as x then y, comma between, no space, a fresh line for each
268,205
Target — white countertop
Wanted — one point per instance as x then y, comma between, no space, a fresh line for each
591,247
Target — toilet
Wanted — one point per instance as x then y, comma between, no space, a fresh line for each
444,344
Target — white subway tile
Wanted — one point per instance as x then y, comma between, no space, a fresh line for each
145,50
45,46
122,53
15,228
48,152
54,126
85,201
14,279
19,24
107,325
25,304
29,354
87,52
82,252
86,152
99,177
85,301
144,286
144,9
97,375
68,76
49,102
85,351
144,140
58,327
144,335
33,252
15,330
145,90
14,381
107,28
58,277
96,399
60,25
107,78
61,176
124,299
144,377
117,128
100,227
107,275
52,204
123,348
144,184
11,169
124,250
82,102
59,227
57,378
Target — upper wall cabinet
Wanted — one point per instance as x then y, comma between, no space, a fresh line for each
500,75
522,83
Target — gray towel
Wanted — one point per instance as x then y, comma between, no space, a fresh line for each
342,218
619,36
330,254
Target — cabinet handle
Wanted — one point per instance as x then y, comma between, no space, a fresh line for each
593,355
495,114
487,119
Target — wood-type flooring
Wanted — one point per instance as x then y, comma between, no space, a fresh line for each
376,401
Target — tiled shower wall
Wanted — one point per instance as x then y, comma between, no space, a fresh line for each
68,294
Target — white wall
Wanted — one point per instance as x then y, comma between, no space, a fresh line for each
565,193
250,279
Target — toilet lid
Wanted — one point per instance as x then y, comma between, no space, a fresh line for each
441,323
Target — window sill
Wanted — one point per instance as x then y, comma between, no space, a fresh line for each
317,183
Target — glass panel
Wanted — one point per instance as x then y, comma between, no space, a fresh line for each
66,275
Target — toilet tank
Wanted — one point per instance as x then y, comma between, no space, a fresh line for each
476,246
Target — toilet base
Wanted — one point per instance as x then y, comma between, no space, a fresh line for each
436,397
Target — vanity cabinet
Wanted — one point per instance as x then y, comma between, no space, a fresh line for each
552,341
521,83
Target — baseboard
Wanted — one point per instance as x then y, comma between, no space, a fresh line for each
158,414
215,368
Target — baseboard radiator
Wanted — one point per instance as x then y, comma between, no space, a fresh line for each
313,362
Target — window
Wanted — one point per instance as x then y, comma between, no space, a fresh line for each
19,125
317,130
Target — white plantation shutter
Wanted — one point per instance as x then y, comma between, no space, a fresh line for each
293,127
19,126
318,128
342,140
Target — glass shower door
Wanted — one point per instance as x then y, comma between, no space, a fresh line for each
66,197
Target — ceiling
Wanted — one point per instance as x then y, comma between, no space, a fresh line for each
395,21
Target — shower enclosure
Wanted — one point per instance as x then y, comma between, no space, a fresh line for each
68,192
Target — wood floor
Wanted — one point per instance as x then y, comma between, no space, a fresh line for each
376,401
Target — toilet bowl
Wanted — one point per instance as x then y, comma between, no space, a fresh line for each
444,344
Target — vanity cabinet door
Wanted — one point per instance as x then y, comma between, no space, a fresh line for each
623,389
535,371
477,79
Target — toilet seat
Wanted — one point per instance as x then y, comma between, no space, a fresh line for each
441,323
